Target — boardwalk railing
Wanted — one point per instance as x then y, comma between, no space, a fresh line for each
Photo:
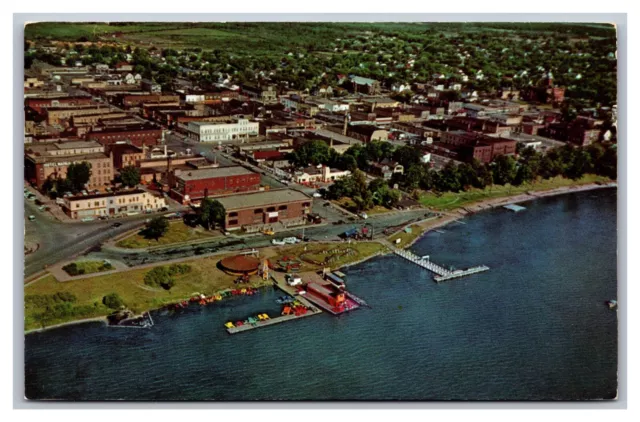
441,274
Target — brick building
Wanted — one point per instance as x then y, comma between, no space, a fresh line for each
487,149
124,155
189,186
39,168
39,104
269,209
138,135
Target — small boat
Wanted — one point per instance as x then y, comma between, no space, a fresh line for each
284,299
613,304
286,310
239,323
266,317
203,302
218,297
229,324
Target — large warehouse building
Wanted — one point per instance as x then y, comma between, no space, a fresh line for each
188,186
265,210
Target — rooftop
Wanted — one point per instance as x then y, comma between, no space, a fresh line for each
258,199
105,195
208,173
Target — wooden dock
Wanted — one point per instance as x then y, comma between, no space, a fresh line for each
278,280
272,321
441,273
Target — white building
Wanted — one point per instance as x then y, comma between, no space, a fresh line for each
320,174
112,204
222,131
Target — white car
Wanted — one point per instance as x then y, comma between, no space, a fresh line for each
293,280
317,195
277,242
291,240
364,216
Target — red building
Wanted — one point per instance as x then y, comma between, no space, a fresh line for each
38,104
193,185
135,135
487,149
267,209
332,297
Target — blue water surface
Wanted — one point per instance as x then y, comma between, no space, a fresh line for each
534,327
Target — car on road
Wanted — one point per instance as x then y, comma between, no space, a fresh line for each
317,195
291,240
277,242
43,208
364,215
87,219
32,217
116,225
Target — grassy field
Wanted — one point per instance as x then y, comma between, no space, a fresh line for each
178,232
406,238
453,200
204,278
89,267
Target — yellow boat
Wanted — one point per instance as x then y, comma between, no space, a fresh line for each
243,291
218,297
229,324
260,317
266,317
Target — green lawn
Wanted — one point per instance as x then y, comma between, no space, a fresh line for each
178,232
88,267
406,238
452,200
314,252
204,278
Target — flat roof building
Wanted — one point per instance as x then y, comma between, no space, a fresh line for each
192,185
267,209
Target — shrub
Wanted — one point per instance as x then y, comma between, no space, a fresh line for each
159,276
71,269
113,301
179,269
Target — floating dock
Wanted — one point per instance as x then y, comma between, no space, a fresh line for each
441,273
514,207
282,285
272,321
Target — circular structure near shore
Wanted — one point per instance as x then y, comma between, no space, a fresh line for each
240,265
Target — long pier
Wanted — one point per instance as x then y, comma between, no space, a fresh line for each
441,273
272,321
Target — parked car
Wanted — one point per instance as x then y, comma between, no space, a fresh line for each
32,217
364,215
87,219
317,195
277,242
291,240
116,225
293,280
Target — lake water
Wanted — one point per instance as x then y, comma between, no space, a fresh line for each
533,327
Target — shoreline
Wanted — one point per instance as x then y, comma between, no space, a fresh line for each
63,324
488,204
427,225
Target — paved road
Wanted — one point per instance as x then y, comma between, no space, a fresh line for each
58,241
315,233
